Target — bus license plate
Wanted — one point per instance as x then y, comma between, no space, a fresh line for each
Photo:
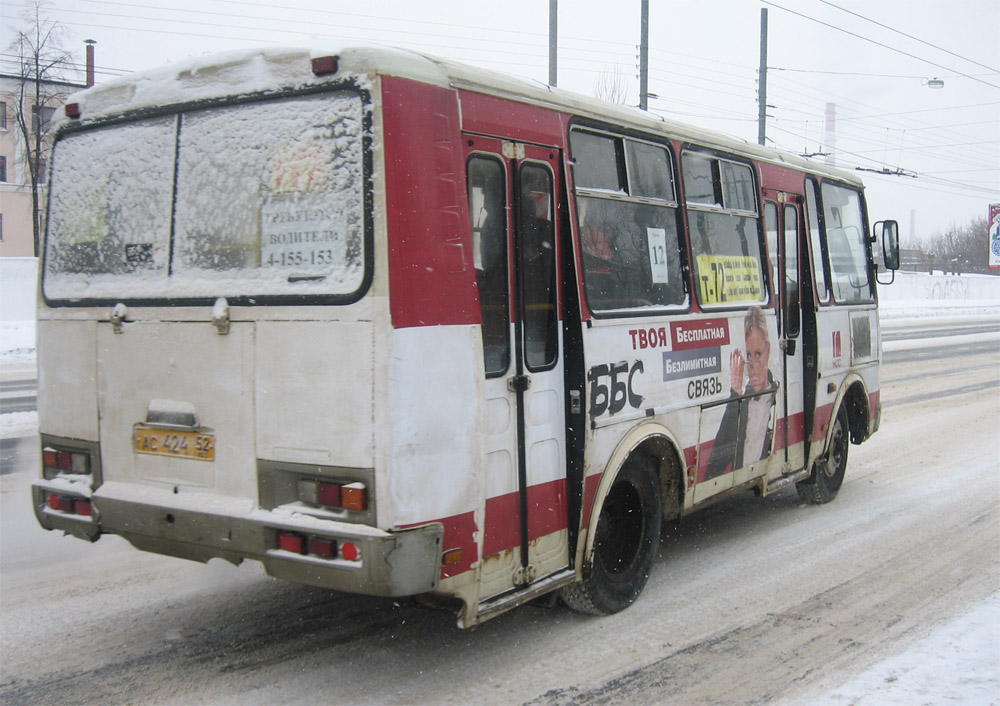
168,442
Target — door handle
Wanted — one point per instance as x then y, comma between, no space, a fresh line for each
787,345
518,383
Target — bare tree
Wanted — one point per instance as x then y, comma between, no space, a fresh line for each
42,66
610,86
960,248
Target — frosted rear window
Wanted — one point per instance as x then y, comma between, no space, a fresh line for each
259,199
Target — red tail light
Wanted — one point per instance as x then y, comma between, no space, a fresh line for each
350,551
326,548
69,504
350,496
77,462
328,494
290,542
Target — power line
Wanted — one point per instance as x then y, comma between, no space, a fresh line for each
880,44
909,36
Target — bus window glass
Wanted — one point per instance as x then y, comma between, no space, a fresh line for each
649,171
109,218
264,198
815,241
792,316
538,267
737,184
725,243
846,244
700,180
595,162
292,208
629,241
771,233
487,208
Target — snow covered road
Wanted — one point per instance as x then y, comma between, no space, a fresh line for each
751,601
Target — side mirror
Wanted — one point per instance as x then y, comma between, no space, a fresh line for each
890,243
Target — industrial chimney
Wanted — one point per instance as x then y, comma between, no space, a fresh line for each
90,61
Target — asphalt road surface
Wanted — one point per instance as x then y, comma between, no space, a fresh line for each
750,601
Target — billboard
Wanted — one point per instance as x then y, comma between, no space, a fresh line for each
994,238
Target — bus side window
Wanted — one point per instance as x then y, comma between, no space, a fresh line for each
487,209
846,243
815,239
722,217
771,231
627,219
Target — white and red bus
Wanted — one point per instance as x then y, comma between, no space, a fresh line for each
392,325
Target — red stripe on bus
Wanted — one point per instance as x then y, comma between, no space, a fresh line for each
821,422
431,272
547,513
782,438
459,533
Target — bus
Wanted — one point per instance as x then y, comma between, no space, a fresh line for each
392,325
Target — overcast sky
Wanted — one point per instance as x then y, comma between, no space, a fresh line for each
873,59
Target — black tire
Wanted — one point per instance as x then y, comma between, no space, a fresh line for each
628,535
828,471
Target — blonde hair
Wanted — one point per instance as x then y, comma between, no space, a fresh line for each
755,320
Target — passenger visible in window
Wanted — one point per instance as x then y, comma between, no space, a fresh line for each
745,433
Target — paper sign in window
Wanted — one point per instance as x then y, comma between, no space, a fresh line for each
658,268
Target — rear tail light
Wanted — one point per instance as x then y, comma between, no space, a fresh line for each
56,462
350,551
355,497
349,496
326,548
322,547
329,494
291,542
70,505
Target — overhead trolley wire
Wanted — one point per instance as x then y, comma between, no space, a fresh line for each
881,44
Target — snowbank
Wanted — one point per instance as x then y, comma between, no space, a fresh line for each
958,663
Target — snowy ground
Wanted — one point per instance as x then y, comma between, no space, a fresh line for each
958,663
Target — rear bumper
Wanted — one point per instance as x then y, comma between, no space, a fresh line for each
201,527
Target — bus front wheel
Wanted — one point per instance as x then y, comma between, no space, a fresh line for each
828,472
627,536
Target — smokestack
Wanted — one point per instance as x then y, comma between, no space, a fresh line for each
831,134
90,61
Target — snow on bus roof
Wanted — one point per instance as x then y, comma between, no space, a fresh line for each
249,71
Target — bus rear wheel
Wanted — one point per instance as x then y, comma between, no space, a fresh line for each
828,472
627,536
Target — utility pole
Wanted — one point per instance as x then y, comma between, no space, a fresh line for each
553,40
644,56
762,80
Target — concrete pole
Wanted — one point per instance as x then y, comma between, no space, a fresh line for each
644,57
553,41
762,81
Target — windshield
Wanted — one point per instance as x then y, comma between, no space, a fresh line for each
242,201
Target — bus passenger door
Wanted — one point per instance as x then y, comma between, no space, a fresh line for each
790,337
514,209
